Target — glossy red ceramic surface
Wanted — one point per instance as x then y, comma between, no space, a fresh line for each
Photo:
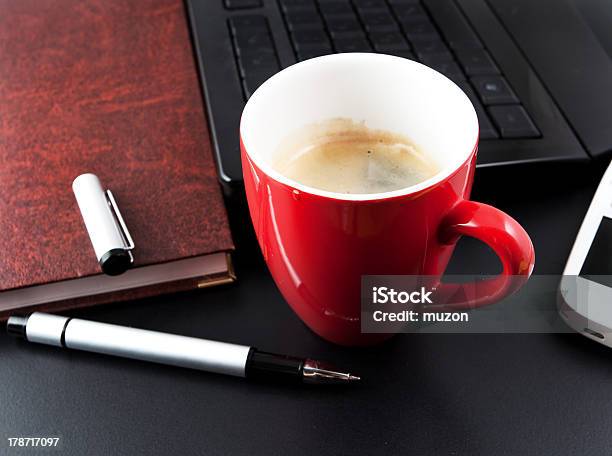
317,247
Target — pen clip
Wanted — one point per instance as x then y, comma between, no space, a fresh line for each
125,233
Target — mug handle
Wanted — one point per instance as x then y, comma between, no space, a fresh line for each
508,240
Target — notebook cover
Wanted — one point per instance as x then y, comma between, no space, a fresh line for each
127,295
108,87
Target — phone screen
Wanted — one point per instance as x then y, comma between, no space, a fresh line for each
598,264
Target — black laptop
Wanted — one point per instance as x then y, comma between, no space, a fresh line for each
539,72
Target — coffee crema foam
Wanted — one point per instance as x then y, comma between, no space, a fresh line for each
344,156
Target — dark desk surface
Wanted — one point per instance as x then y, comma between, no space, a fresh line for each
422,394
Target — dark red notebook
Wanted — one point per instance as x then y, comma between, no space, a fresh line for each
108,87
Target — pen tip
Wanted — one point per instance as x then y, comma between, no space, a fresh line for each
318,372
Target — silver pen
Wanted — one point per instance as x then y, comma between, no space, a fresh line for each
172,349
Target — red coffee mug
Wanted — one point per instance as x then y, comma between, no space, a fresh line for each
317,244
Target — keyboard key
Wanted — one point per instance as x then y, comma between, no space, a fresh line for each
297,3
301,16
407,13
313,36
307,48
340,24
260,49
253,39
379,20
435,58
353,35
240,4
513,122
421,31
431,47
257,59
362,5
494,90
310,52
449,69
477,62
303,20
487,130
300,9
356,35
257,63
389,41
247,22
296,6
394,3
352,45
453,24
336,8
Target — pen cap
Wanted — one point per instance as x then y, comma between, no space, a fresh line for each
109,237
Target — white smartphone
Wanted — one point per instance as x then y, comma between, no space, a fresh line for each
585,290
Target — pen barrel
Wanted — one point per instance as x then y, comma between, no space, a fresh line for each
126,342
171,349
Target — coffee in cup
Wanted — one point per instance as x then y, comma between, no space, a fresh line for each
346,156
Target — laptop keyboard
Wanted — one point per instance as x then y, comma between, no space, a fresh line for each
433,33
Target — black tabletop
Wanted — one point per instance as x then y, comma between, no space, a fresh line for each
421,394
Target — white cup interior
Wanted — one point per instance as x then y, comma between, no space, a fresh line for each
386,92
